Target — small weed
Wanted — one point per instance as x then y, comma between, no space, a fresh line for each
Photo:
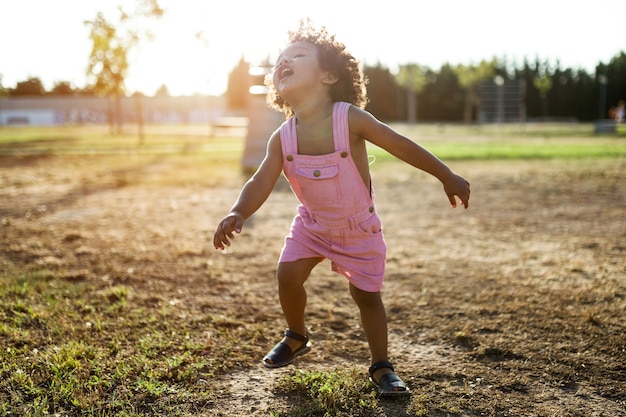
463,340
340,392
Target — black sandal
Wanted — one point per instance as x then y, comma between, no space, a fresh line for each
282,355
390,384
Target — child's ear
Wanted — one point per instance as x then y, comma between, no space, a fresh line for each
330,78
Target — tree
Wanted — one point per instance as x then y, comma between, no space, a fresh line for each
442,98
62,88
413,78
31,87
616,77
163,91
108,65
108,60
469,77
237,93
383,92
3,90
543,84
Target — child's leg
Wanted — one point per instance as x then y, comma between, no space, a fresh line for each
374,321
291,277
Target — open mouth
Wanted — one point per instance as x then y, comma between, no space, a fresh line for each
285,72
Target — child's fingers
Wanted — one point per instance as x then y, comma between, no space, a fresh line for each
224,233
219,240
463,197
238,224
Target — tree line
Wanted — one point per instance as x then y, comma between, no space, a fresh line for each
417,93
451,94
413,93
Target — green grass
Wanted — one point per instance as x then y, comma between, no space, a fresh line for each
448,142
518,149
344,392
72,349
540,141
97,140
339,392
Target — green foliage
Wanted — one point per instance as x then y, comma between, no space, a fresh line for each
470,75
340,392
543,84
30,87
412,77
108,59
381,81
112,43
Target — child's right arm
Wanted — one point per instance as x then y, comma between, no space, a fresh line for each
365,125
253,194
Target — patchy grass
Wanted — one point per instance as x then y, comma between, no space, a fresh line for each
113,303
338,392
77,349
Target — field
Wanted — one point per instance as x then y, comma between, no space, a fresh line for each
114,303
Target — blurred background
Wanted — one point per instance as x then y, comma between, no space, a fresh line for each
189,61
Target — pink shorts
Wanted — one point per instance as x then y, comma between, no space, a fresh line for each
357,251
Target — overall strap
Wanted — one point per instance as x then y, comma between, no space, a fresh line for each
288,138
341,130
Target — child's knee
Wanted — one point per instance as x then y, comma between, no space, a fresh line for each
295,273
364,298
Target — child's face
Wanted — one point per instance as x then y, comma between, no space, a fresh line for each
296,66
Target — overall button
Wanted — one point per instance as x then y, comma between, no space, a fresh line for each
371,209
289,158
317,173
344,154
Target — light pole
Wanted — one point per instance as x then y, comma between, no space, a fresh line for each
602,79
499,81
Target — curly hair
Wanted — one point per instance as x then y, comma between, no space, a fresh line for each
333,57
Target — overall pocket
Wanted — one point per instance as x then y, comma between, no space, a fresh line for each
319,184
371,226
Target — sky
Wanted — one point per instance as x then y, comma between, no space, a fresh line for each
48,39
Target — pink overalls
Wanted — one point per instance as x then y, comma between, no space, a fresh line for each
336,218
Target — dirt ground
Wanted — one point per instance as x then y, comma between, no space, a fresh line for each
514,307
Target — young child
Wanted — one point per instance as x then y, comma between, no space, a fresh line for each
321,151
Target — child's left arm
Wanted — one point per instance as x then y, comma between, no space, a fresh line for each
365,125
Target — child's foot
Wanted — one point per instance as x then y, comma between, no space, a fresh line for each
387,383
283,354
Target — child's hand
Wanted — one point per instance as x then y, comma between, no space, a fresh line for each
224,233
457,186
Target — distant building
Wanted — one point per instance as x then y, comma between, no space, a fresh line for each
64,110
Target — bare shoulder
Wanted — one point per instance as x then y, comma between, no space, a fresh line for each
359,116
364,125
273,144
272,163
